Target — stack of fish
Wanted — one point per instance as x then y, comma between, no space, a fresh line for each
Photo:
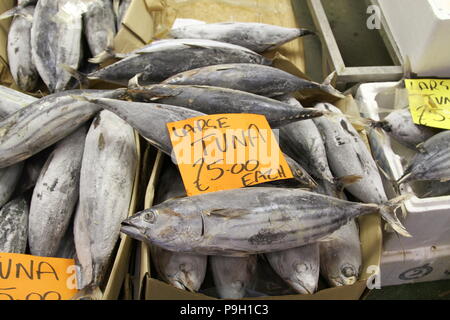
83,189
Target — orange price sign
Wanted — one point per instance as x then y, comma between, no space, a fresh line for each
226,151
26,277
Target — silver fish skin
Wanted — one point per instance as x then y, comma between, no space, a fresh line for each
19,50
182,270
233,275
22,136
400,126
259,220
99,26
298,267
66,249
258,37
56,40
12,101
106,185
9,180
156,63
149,119
216,100
56,195
303,141
254,78
341,257
348,155
13,226
432,162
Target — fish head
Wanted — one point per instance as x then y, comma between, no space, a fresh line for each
348,275
305,279
163,227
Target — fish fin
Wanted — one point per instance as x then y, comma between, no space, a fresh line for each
387,211
344,181
108,53
306,32
228,213
134,82
79,76
404,178
420,147
12,12
330,79
89,293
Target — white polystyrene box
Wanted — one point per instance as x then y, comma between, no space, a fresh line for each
427,219
416,265
421,31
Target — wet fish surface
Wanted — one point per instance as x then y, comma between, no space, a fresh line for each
14,226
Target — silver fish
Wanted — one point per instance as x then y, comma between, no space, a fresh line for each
299,267
232,275
99,26
254,78
56,40
12,101
22,134
258,37
399,125
341,257
55,195
183,270
13,226
248,221
106,184
432,162
155,63
9,179
20,59
216,100
348,155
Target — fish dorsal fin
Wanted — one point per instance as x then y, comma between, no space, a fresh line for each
227,213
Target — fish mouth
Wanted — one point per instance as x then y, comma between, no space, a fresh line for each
131,230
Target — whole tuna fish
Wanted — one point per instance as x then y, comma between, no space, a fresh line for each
12,101
99,26
150,120
106,184
248,221
216,100
399,125
13,226
233,275
340,257
20,59
55,195
348,155
22,134
56,40
258,79
163,59
432,162
298,267
258,37
183,271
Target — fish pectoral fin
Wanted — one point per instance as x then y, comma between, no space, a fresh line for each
195,46
229,213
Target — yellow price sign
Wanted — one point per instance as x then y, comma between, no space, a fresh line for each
226,151
26,277
429,102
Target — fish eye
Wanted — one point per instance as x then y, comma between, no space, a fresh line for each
150,217
348,271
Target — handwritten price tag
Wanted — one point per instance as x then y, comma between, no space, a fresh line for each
228,151
25,277
429,102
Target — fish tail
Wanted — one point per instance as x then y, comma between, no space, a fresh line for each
79,76
108,53
89,293
387,211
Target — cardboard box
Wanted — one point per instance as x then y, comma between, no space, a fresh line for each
118,278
